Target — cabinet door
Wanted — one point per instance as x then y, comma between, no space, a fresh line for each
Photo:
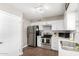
54,43
40,27
77,37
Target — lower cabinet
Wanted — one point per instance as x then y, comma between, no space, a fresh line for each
54,44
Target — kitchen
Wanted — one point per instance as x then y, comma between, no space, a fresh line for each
51,39
62,32
54,33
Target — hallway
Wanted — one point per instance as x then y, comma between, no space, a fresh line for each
30,51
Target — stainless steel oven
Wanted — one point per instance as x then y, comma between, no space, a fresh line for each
46,40
46,43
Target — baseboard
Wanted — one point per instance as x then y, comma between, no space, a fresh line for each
25,46
20,53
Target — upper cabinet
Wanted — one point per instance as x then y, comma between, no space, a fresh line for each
72,7
58,25
70,21
77,22
40,27
52,25
71,17
45,27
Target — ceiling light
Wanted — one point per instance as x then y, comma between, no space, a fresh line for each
41,8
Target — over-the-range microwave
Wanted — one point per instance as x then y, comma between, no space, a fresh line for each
64,35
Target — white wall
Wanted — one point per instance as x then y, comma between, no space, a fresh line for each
25,24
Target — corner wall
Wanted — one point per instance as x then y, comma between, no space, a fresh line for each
25,24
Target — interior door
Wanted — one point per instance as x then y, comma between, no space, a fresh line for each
9,34
3,34
3,48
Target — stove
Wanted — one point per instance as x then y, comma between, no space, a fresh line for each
46,43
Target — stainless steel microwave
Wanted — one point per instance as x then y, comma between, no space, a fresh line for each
64,35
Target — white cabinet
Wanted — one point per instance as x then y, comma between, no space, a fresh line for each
39,40
77,22
72,17
70,21
54,43
58,25
40,27
77,29
72,7
77,37
10,34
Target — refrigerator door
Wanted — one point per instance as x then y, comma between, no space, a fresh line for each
34,36
31,36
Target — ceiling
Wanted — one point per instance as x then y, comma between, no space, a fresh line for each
36,11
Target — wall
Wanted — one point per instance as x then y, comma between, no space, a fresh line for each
25,24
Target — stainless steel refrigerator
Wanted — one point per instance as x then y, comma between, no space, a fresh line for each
31,36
